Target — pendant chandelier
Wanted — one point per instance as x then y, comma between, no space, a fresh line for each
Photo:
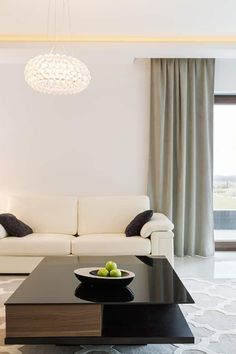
54,72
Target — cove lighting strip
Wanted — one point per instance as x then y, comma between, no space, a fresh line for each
118,39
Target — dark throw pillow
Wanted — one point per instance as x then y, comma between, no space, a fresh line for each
134,227
13,226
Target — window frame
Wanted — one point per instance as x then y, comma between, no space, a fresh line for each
224,99
225,245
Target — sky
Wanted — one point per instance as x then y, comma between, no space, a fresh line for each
225,140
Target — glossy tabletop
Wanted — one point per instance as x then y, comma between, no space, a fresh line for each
54,282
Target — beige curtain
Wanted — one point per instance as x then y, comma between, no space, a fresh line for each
181,150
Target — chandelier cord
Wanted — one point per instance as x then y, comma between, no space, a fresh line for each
48,15
69,18
69,21
51,25
55,23
64,23
49,29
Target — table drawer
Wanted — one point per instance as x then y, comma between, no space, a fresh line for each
53,320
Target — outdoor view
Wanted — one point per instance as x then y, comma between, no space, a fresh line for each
225,168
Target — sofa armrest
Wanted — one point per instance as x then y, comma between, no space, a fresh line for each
159,222
163,245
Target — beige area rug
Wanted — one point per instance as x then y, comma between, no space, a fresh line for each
212,320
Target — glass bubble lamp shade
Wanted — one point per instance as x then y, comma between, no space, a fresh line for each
57,74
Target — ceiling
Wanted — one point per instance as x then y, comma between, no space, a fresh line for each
145,18
138,28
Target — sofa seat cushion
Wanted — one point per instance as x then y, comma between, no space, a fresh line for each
36,244
110,244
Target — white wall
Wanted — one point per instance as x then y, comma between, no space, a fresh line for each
93,143
225,76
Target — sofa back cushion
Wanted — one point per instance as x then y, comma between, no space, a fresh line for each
46,214
109,214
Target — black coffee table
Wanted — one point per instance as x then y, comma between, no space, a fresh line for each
52,307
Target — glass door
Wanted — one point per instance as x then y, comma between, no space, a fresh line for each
224,191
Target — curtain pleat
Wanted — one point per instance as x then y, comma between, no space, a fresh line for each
181,150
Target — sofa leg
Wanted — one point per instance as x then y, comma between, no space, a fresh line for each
100,348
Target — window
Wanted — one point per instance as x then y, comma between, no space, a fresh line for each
224,192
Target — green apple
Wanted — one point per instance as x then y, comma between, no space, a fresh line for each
115,273
110,266
103,272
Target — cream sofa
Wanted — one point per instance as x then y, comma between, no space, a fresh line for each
99,221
